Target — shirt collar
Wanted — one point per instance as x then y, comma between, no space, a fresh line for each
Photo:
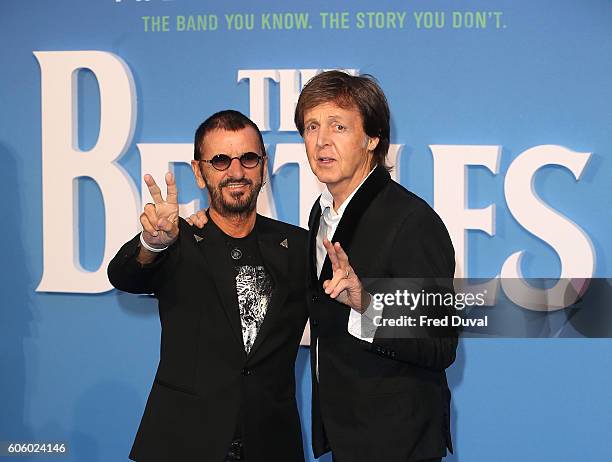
326,201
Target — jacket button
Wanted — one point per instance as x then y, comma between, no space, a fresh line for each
315,299
245,371
314,322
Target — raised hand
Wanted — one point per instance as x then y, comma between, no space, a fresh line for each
160,219
345,286
198,219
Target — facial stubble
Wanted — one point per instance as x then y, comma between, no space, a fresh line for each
242,203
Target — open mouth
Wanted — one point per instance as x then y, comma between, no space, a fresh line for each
235,185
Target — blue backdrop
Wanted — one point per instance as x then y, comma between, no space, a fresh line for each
77,366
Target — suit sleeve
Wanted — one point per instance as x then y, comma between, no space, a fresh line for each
422,249
127,274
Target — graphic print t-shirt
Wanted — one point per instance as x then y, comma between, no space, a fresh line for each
253,286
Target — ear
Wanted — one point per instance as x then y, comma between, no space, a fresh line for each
197,173
372,143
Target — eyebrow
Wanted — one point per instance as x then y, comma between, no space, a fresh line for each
331,117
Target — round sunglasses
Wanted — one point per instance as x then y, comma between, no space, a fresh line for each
223,161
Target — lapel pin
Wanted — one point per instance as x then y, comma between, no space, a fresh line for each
285,244
198,238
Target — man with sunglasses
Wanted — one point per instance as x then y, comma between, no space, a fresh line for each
231,305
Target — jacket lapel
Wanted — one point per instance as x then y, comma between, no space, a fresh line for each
274,248
313,230
211,243
352,215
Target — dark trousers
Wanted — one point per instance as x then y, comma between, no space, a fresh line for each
427,460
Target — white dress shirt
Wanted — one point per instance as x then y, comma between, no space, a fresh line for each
327,227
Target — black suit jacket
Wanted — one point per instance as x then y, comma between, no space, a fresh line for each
387,400
205,379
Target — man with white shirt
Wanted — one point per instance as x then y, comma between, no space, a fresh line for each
374,398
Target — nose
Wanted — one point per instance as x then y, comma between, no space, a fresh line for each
235,169
322,136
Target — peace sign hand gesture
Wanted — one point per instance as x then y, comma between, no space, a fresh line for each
345,286
160,219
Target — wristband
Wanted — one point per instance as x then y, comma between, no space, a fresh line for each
149,248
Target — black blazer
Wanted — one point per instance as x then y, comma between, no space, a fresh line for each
389,400
204,375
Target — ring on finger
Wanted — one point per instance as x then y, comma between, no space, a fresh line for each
348,272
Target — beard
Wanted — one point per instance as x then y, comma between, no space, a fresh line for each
240,203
